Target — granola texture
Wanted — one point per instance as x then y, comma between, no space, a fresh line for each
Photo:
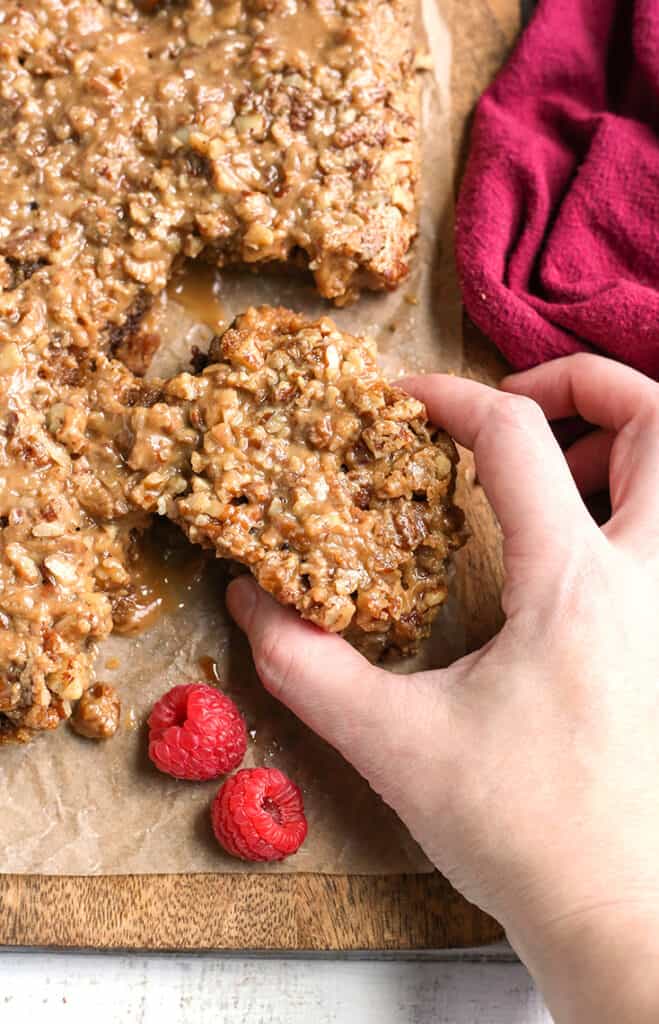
288,454
134,135
67,537
241,131
292,456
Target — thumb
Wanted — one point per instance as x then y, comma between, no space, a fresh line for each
358,708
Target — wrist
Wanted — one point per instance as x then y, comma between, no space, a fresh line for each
598,966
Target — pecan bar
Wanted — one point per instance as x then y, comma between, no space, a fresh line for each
133,135
242,131
288,454
66,536
292,456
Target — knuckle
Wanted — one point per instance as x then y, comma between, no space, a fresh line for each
519,413
582,362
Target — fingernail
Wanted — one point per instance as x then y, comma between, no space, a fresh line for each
242,597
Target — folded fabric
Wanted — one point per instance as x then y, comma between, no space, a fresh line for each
558,217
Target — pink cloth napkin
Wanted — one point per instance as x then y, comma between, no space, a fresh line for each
558,217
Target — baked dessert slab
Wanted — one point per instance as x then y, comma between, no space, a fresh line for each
291,455
66,537
288,454
240,131
134,135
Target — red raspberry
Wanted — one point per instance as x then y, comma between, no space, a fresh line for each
195,732
258,814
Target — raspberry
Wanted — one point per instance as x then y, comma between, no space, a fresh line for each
196,732
258,815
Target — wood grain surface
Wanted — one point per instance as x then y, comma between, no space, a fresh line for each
237,912
303,912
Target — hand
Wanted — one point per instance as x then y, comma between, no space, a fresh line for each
529,770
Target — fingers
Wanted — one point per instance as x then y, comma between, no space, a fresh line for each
518,460
323,680
601,391
623,402
588,459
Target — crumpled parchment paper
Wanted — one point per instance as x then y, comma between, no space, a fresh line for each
77,807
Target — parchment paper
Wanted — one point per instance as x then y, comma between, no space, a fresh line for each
73,806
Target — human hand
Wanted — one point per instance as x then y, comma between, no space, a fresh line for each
528,770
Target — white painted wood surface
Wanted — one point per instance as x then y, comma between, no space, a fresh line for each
69,988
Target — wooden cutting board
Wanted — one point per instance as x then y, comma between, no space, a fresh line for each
303,912
271,912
